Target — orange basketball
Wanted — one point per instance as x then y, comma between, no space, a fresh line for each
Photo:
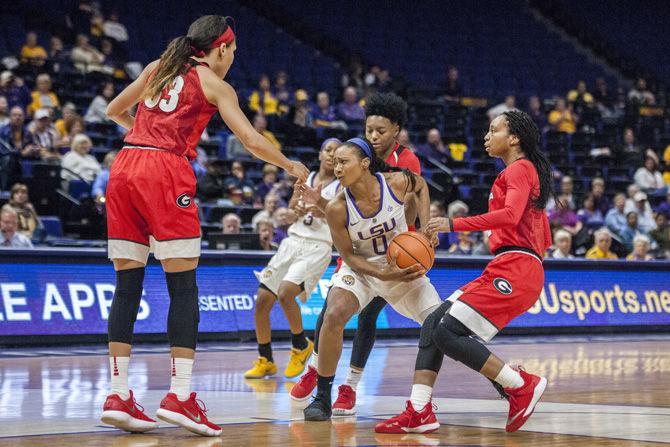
412,248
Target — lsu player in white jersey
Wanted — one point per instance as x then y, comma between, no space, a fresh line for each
363,218
295,270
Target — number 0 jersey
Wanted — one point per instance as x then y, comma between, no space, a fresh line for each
175,119
316,228
371,235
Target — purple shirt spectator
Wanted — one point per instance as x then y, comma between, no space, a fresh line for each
349,110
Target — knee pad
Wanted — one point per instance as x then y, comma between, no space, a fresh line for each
184,313
428,326
125,305
453,339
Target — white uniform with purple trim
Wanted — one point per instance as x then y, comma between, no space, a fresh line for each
306,253
370,236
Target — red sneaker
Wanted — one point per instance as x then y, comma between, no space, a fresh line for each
127,415
410,421
345,405
303,389
522,400
190,414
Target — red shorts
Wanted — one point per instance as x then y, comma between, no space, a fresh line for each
150,206
510,284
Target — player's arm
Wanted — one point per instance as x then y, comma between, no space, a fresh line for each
336,215
401,185
118,108
223,96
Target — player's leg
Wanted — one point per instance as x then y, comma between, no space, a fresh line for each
301,347
302,390
264,365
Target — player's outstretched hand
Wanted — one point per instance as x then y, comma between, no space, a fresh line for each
438,225
432,237
297,169
394,273
310,196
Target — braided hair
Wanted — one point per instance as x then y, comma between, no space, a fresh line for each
377,164
520,124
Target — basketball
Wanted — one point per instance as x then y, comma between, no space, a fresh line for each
411,248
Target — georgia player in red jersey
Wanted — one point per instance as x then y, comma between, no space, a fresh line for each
150,207
510,284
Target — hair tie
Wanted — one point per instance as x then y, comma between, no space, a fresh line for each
196,52
359,142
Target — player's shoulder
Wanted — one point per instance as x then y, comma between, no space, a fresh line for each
337,207
523,167
407,159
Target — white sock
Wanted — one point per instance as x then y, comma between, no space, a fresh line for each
509,378
314,361
180,382
353,377
420,396
118,367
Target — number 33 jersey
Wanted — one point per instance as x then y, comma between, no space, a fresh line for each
315,228
370,235
175,119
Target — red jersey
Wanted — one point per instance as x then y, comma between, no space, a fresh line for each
403,157
175,120
512,218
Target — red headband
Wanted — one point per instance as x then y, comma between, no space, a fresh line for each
227,37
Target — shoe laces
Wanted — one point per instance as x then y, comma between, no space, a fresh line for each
137,405
405,417
201,406
310,372
344,392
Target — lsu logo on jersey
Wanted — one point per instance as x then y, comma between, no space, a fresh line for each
378,230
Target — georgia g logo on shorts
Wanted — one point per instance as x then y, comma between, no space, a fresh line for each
503,286
184,201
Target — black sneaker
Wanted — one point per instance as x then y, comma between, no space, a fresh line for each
318,410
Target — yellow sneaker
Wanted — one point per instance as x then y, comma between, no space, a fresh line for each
261,369
298,360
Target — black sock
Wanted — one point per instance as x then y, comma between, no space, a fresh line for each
299,341
324,386
265,350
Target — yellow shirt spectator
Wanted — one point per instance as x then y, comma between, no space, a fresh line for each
43,96
562,118
263,102
597,253
31,52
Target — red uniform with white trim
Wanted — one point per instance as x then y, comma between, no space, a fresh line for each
151,186
520,234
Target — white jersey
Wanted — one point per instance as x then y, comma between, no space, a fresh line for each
315,228
371,235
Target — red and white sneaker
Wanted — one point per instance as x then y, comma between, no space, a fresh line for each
522,400
303,389
345,405
411,421
188,414
127,415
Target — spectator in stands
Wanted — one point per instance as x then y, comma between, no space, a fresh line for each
212,185
65,124
17,142
112,62
580,98
537,113
268,183
566,193
354,77
282,218
565,218
601,248
457,208
616,217
505,106
265,231
630,231
86,57
58,56
349,110
562,245
9,237
452,87
323,113
437,210
611,107
261,126
464,244
97,110
32,53
28,220
270,205
114,29
599,197
641,246
78,163
46,136
262,100
590,216
404,141
80,15
645,216
562,118
301,113
648,178
4,111
384,82
629,151
238,180
43,96
434,146
99,189
662,236
601,95
664,208
231,223
281,91
13,88
640,94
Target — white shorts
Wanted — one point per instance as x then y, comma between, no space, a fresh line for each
178,248
298,260
410,299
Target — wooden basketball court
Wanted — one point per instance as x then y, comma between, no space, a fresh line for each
603,391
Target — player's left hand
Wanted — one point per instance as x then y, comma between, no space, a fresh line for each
309,195
438,225
297,169
432,237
